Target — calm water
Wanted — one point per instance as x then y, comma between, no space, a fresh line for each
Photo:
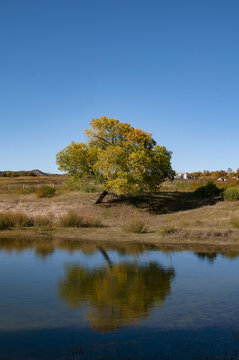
69,300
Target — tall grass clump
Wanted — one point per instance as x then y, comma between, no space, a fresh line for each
22,220
136,226
73,219
44,221
167,230
45,191
231,194
10,220
208,190
6,221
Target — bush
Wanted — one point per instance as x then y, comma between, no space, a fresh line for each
208,190
72,219
231,194
137,226
45,191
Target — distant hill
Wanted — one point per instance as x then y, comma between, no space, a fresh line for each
35,172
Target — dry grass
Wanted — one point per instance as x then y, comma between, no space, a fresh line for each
171,217
167,230
44,221
235,223
10,220
136,225
73,219
29,184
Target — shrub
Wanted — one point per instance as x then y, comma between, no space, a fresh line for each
45,191
73,219
231,194
235,223
208,190
137,226
166,230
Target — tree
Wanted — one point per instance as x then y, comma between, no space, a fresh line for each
117,156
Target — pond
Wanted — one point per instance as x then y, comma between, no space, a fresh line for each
79,300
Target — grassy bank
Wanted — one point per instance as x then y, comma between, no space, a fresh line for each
166,217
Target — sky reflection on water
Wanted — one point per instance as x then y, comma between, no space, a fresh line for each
122,291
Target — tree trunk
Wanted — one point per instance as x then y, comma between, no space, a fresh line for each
101,197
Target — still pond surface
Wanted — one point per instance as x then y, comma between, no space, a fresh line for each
71,300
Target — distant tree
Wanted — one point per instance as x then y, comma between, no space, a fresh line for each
221,174
232,175
194,175
117,156
206,173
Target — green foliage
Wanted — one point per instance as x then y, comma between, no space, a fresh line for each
72,184
136,225
90,188
231,194
117,156
45,191
73,219
208,190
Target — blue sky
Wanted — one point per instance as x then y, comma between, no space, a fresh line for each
169,67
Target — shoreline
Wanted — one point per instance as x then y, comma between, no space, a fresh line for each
87,236
173,219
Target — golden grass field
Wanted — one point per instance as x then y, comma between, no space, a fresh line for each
170,216
17,184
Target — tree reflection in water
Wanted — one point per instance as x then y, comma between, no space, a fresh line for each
210,257
116,294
